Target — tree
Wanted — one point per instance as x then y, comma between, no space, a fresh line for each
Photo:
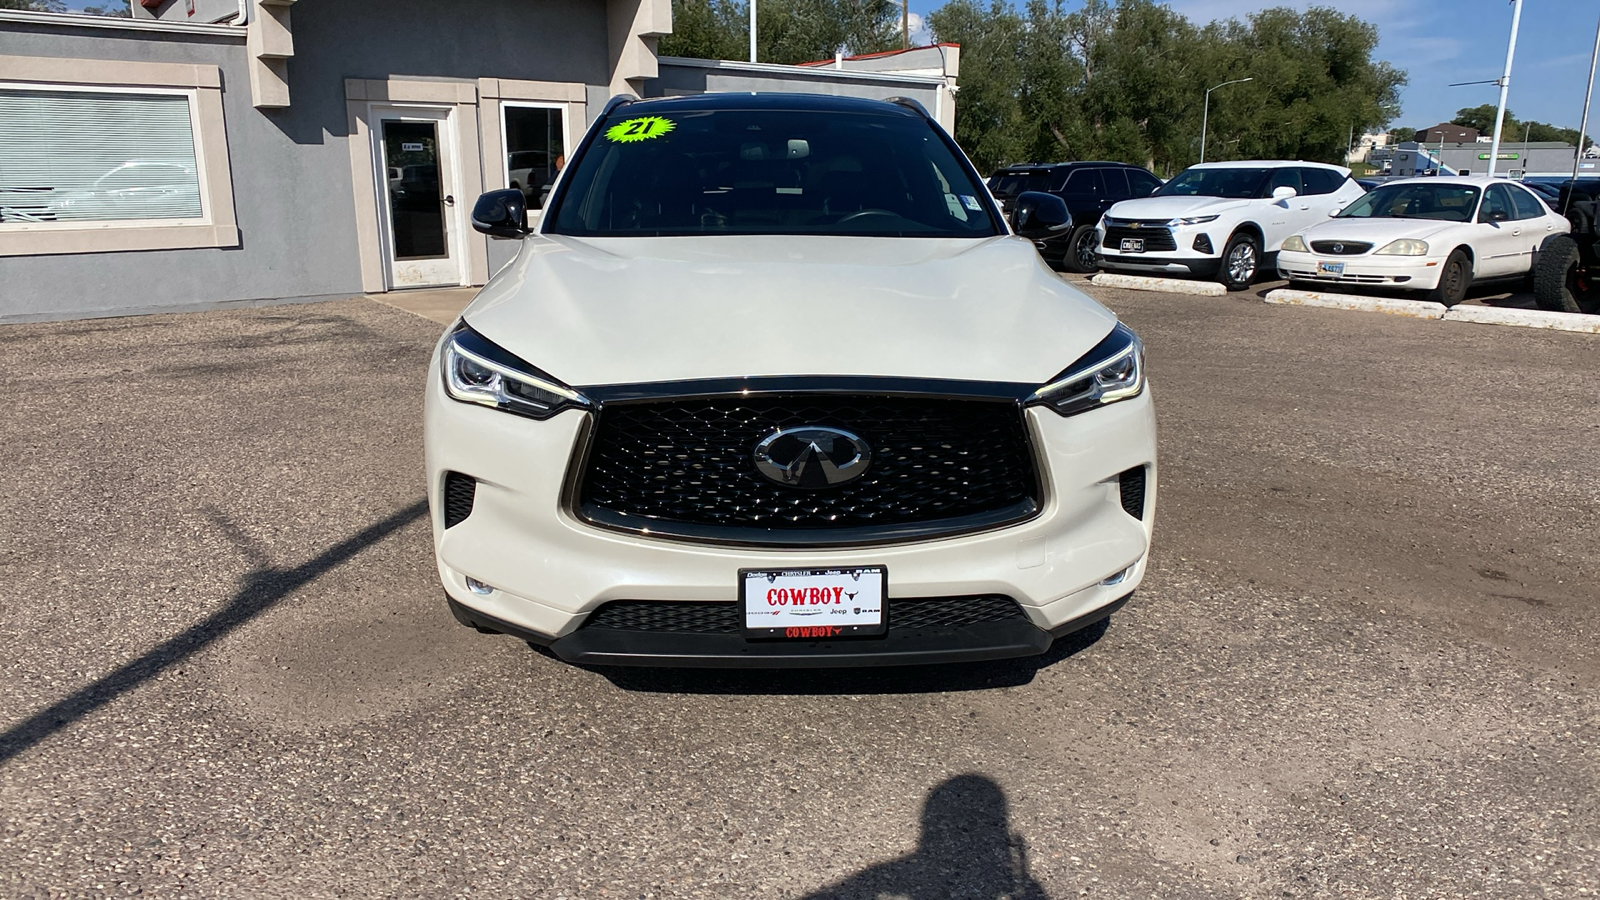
1126,80
1482,118
115,10
788,31
1402,135
54,6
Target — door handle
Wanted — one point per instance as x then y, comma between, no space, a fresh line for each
449,200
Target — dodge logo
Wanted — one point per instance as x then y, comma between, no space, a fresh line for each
812,457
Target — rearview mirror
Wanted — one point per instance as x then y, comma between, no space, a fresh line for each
1034,212
1283,192
501,214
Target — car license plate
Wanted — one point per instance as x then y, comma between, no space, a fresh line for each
1132,245
813,603
1330,268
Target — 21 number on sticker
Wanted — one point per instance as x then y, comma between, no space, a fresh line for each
644,128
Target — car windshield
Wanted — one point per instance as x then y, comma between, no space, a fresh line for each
1447,202
1013,183
1234,183
735,171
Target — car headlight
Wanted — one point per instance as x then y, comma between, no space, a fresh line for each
1295,244
1192,220
1112,371
477,370
1404,247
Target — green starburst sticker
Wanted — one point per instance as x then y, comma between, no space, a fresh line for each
641,129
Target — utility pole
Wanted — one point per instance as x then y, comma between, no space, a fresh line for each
905,24
1505,85
1583,127
1205,114
752,30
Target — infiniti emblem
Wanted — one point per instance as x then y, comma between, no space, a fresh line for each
812,457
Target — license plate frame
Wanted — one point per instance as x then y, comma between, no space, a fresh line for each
1336,269
1131,245
816,620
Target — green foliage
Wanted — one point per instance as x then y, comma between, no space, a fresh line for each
1402,135
1126,80
114,10
54,6
1482,118
787,31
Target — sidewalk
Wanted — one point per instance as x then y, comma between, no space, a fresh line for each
442,306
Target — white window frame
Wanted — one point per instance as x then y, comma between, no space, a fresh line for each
505,155
192,96
202,86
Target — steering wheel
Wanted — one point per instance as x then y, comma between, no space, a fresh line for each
863,213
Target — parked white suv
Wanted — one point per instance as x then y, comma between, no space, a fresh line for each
1223,220
772,384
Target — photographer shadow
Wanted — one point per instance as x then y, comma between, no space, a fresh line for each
967,850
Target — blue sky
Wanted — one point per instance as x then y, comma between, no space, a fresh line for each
1442,41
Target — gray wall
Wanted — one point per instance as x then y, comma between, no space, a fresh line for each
291,168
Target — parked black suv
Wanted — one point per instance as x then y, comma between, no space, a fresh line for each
1088,189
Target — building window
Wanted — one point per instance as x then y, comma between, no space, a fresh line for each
535,142
73,156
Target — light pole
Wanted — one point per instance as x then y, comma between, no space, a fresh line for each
752,30
1205,114
1505,85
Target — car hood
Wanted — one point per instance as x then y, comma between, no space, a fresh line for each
593,311
1376,231
1172,207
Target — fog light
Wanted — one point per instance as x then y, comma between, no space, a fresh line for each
478,587
1202,244
1118,578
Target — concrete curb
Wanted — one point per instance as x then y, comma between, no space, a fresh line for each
1527,318
1164,285
1417,309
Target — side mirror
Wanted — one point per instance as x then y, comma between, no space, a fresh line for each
1495,215
501,214
1035,212
1283,192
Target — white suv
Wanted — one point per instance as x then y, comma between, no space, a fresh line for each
772,384
1224,220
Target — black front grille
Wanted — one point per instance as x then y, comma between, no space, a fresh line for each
1155,237
1130,485
671,616
1340,248
459,491
687,468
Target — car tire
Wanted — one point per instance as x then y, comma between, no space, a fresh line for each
1556,285
1083,243
1455,276
1241,262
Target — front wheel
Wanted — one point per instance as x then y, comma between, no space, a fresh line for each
1081,248
1241,258
1454,279
1559,282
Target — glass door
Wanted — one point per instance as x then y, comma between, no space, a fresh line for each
419,208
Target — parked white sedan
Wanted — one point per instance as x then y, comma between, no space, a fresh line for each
1438,235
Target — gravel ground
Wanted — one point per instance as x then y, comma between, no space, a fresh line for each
1363,663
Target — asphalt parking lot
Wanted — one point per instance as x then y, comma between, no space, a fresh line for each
1364,663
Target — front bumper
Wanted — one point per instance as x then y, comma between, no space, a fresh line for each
1419,273
1201,266
549,571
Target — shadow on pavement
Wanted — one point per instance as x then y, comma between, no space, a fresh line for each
885,680
263,587
967,850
